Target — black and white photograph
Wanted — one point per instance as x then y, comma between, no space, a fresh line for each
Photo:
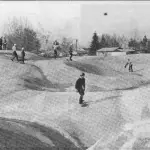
74,75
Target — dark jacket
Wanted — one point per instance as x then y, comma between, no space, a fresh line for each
1,41
80,84
22,54
15,53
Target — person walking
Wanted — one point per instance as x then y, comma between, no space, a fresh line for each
15,55
129,63
71,52
80,87
22,54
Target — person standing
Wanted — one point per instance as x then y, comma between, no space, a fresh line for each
22,54
15,55
71,52
129,63
1,43
80,87
4,43
55,52
130,67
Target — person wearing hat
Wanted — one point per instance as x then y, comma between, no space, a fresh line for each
22,54
15,55
80,87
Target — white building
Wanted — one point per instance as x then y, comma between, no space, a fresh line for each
112,51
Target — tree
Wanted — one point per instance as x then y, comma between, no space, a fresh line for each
20,32
94,44
109,41
134,44
65,45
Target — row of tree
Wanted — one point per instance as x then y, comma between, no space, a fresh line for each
138,44
106,40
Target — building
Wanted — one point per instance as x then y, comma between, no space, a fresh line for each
112,51
81,52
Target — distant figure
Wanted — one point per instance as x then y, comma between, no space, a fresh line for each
1,43
22,54
15,55
80,87
130,65
55,53
55,46
4,44
56,42
71,52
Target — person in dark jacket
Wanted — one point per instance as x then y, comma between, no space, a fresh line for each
1,43
71,53
15,55
55,53
130,65
22,54
80,87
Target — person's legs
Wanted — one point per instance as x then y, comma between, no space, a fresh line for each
81,99
17,57
4,46
81,92
13,58
23,59
129,68
71,57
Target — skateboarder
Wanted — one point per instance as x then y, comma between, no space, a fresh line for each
15,55
22,54
130,65
80,87
70,52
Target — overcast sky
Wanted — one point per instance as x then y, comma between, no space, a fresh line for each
81,19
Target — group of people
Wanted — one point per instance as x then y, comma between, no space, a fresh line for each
3,43
15,55
56,46
80,83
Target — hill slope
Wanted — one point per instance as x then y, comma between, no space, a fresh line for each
107,110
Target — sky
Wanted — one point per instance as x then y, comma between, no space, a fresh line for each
80,19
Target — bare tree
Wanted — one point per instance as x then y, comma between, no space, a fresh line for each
21,32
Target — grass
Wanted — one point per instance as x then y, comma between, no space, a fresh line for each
110,72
